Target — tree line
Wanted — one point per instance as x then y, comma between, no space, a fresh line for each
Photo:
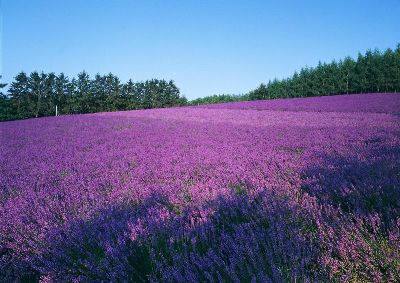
221,98
372,72
38,94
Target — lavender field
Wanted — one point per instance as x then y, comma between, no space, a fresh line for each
304,189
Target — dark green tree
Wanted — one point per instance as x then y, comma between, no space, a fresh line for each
5,104
112,90
37,93
82,102
259,93
20,96
62,90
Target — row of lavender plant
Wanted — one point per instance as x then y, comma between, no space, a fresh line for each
369,102
195,194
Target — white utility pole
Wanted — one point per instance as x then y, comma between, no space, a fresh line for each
56,111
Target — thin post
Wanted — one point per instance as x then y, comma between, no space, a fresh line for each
56,110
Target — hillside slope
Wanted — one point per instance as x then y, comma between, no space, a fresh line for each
305,189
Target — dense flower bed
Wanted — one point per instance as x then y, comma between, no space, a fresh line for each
366,102
265,191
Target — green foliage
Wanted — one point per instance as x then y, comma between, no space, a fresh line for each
38,94
218,99
372,72
5,104
259,93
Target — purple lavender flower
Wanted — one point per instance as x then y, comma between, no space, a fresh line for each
263,191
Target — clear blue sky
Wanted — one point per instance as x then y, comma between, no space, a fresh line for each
206,47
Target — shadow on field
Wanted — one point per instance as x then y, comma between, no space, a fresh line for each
362,185
238,237
246,236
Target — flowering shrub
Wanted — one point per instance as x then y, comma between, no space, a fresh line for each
301,189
